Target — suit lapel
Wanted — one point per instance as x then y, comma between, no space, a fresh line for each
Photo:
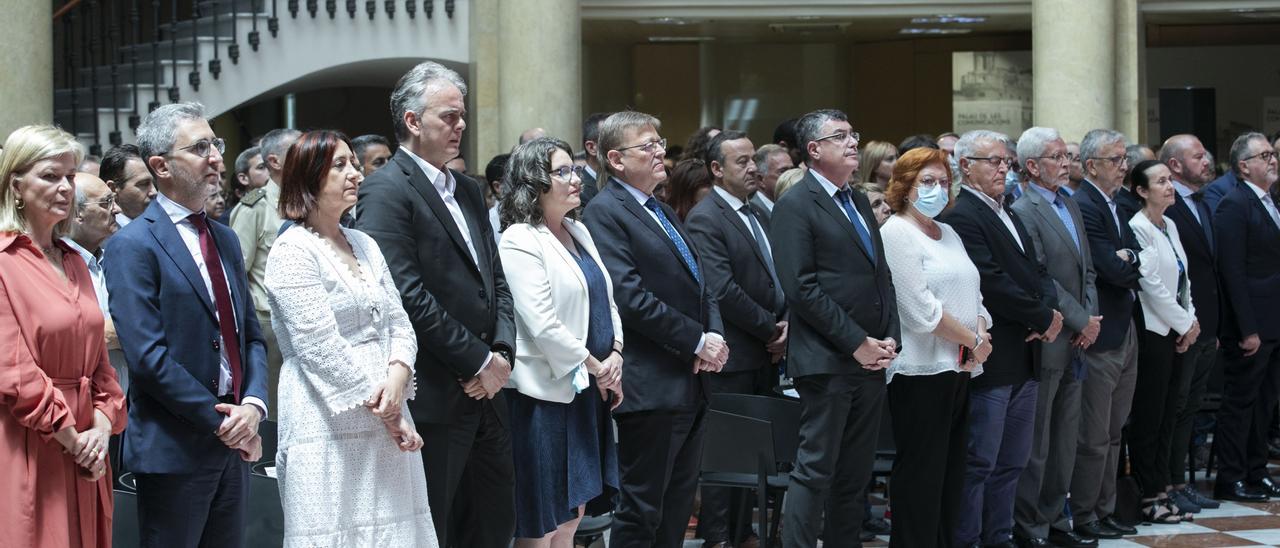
418,180
630,204
1046,210
731,217
1100,202
1182,210
989,216
166,234
827,203
564,253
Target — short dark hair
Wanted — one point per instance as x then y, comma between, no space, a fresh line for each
242,161
526,177
359,144
114,161
306,166
696,146
493,171
591,126
785,133
810,125
687,178
714,152
920,140
1138,177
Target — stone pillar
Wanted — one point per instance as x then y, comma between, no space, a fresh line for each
26,90
1073,65
483,133
540,70
1130,67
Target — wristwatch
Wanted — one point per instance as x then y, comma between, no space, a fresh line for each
506,354
977,340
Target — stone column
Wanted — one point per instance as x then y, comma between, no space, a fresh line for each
1073,65
1130,67
540,71
26,90
483,133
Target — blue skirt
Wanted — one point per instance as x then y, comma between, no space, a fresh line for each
565,457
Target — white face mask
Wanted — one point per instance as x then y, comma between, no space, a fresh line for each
932,201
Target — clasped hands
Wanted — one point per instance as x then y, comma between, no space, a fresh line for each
239,429
386,403
778,345
608,374
1050,334
486,383
88,448
713,356
876,354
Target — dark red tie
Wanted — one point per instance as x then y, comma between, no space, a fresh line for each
221,301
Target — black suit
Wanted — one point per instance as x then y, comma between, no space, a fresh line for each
751,303
665,311
1106,394
838,295
1020,296
1248,244
461,312
1196,235
589,188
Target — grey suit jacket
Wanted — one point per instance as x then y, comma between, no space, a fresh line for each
1070,268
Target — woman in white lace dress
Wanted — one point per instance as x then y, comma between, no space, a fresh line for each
349,474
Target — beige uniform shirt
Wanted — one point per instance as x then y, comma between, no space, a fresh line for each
256,220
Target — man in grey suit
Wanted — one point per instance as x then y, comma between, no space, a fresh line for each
1054,223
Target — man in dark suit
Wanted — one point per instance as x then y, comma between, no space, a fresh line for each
180,301
1021,297
1189,163
1247,233
591,175
732,237
673,331
1107,391
843,332
1056,228
431,225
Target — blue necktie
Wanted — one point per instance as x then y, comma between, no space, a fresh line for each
847,203
1065,215
683,248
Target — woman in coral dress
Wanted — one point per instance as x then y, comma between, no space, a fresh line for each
59,397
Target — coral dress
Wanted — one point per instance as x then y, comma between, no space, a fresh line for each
54,372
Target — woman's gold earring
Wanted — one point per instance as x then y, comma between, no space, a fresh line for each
19,204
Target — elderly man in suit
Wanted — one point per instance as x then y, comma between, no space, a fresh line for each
432,227
1188,161
843,332
1247,231
1023,302
732,236
673,330
1112,359
1053,221
180,300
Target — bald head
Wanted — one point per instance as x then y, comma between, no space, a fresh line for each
1187,159
95,218
531,134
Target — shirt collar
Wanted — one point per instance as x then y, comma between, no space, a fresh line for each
1105,196
635,192
1262,194
591,172
443,184
994,205
89,258
734,202
826,184
1049,195
176,211
763,199
1183,190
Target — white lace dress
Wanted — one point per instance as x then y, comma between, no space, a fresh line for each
343,480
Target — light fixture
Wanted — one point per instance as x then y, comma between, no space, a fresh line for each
681,39
668,21
932,31
948,20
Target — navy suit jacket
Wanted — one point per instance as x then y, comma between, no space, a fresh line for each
1249,266
1213,192
664,309
1117,279
165,319
1202,265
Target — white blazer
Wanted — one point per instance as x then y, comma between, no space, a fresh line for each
552,308
1159,268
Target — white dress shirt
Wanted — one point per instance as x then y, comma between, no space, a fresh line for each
764,200
95,274
122,219
1111,204
1000,212
1267,203
191,238
1186,192
446,185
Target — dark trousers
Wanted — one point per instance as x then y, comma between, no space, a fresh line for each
1043,486
839,426
1001,424
204,509
1156,403
1248,403
1198,361
720,516
470,479
658,457
930,422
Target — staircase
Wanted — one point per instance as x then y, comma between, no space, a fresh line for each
119,59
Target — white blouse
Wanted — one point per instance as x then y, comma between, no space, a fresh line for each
930,277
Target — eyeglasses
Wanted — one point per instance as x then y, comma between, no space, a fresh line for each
928,183
650,147
566,173
106,203
204,147
841,137
993,161
1117,160
1073,157
1059,157
1266,156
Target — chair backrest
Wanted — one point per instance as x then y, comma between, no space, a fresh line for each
270,439
124,520
783,416
264,522
735,444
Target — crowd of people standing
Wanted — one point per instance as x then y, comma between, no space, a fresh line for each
455,362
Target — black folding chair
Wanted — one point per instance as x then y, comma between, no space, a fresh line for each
264,522
124,520
783,415
737,452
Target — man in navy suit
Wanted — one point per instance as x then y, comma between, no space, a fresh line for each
1247,230
197,361
673,331
1106,394
1188,161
